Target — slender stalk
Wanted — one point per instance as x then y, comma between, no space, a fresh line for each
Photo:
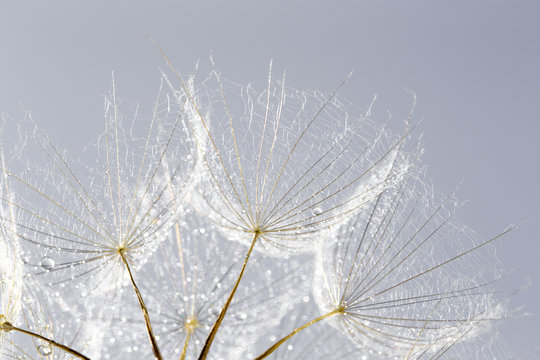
272,348
184,350
6,326
217,324
144,310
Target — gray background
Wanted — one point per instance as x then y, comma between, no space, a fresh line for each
474,65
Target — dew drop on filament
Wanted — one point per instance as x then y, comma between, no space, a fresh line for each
44,350
47,263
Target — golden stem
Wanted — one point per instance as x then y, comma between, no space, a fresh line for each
188,336
272,348
6,326
217,324
144,310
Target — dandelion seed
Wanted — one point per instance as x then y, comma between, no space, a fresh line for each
407,281
102,221
311,163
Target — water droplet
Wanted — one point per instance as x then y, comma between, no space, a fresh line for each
47,263
44,350
317,211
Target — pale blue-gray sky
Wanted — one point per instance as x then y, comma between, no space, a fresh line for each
474,65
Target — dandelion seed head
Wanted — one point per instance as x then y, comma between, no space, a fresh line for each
379,267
